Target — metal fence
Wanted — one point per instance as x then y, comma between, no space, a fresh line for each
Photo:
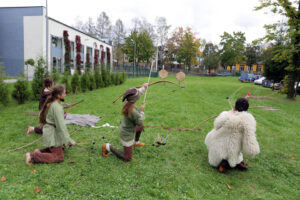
134,71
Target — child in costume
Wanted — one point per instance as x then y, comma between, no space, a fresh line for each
131,125
55,133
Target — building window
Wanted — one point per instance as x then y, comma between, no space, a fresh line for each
242,68
56,42
258,68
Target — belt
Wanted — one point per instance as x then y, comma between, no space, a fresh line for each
53,125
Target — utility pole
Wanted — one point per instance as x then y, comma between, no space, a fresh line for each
47,34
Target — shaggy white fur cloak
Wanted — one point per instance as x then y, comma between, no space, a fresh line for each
233,133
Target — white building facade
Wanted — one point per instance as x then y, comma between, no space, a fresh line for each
29,41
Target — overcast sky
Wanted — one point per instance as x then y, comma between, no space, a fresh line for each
209,18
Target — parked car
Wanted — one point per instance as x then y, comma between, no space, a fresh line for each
246,77
267,83
259,81
255,77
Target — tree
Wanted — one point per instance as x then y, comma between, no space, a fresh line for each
119,34
140,46
90,27
232,48
103,26
253,54
274,69
162,29
183,47
291,50
210,56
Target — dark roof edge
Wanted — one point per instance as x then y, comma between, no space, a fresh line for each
23,7
78,30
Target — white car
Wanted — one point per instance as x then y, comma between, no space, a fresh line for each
259,81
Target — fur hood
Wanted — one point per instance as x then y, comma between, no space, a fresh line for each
233,133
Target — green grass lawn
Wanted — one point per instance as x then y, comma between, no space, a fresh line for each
178,170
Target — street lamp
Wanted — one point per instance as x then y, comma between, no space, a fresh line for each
133,56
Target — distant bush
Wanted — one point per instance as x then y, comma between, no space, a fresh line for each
40,73
21,92
3,87
92,81
3,92
55,75
84,82
66,82
98,78
75,82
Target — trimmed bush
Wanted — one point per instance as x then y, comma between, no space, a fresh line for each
84,82
92,84
21,92
98,78
75,82
3,87
55,75
3,92
66,82
40,73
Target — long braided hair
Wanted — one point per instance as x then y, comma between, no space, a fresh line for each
127,109
57,90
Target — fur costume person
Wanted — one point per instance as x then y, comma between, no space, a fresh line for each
233,133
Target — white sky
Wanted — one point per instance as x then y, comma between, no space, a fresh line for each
209,18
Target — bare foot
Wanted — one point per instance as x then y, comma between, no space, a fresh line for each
28,159
28,130
37,151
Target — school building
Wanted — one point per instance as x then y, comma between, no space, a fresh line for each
26,32
255,68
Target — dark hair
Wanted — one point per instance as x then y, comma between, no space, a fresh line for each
57,90
241,104
48,82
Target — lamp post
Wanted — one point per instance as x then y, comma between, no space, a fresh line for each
134,57
47,34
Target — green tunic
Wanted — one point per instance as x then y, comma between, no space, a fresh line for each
128,124
55,137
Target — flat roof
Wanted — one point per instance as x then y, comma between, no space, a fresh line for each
60,22
78,30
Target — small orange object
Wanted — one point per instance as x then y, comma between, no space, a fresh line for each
33,171
137,165
197,166
3,178
293,157
229,187
37,190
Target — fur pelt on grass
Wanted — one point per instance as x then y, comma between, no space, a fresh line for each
233,133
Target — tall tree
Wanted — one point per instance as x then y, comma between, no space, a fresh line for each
291,49
119,34
183,47
140,46
232,48
90,27
253,54
162,29
103,26
79,24
210,56
274,69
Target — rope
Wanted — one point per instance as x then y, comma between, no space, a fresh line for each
148,81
